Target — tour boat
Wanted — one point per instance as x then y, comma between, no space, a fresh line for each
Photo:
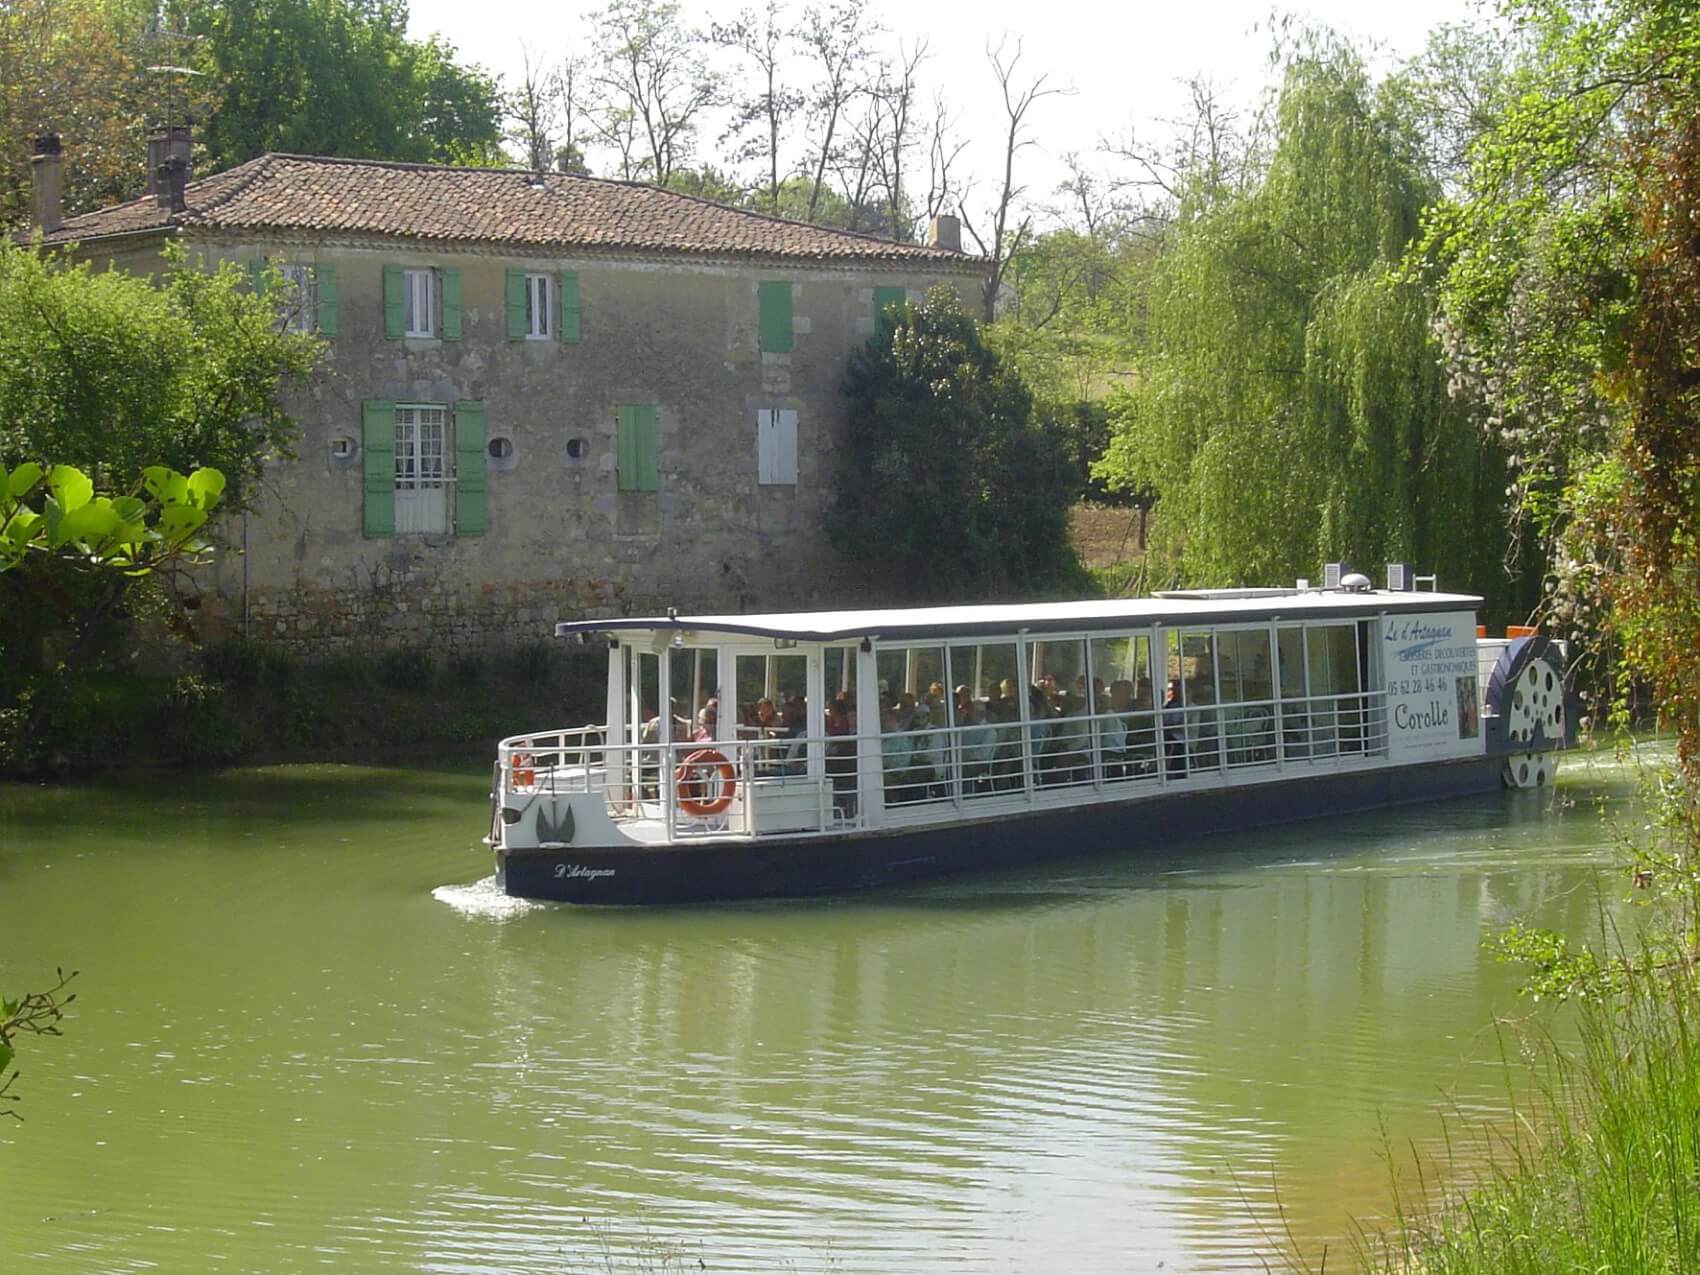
748,756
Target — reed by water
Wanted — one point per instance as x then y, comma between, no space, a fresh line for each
1599,1169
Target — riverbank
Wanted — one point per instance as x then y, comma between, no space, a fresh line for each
1597,1172
241,703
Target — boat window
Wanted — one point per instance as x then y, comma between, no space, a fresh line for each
839,680
1244,678
1198,693
1290,645
1336,711
985,710
1123,659
1244,672
1333,659
694,672
987,675
914,724
1057,707
645,707
1127,726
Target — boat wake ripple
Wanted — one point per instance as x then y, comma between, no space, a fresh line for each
484,898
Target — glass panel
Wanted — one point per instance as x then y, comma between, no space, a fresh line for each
914,715
1333,668
1056,709
1122,700
839,679
695,688
1243,676
1198,693
986,709
773,711
1295,719
644,723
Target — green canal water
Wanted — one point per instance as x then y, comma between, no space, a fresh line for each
309,1035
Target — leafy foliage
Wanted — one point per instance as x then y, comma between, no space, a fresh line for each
951,478
104,371
132,534
1290,408
337,77
32,1014
73,67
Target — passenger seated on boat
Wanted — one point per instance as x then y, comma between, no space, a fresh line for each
977,742
841,756
1005,709
792,720
649,756
895,750
1071,740
707,720
926,770
1174,729
1041,717
1113,729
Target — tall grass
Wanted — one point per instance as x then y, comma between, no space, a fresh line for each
1600,1171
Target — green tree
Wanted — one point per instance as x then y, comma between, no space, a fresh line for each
336,77
951,480
104,373
107,372
1568,266
1290,407
72,67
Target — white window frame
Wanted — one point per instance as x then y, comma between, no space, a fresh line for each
776,447
419,302
539,311
302,297
424,469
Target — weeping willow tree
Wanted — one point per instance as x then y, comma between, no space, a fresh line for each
1291,407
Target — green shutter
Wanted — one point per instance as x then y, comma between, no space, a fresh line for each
513,297
257,275
469,469
568,286
635,447
451,304
393,313
775,301
324,284
377,450
889,303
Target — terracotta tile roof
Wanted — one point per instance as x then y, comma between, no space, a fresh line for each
309,194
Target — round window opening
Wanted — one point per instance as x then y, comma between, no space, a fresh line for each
501,448
577,448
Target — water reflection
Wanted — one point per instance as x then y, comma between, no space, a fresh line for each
290,1053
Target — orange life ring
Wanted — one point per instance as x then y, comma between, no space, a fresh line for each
694,777
520,771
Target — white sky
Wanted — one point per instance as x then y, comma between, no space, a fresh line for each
1122,61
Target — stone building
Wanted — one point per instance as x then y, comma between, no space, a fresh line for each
542,396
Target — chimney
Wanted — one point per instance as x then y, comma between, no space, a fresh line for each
165,144
47,184
171,182
945,231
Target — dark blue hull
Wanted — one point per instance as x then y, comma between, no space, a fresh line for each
778,867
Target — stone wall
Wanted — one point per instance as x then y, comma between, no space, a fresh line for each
561,541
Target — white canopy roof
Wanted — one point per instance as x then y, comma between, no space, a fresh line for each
1225,606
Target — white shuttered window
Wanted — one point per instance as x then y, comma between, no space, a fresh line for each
421,469
776,446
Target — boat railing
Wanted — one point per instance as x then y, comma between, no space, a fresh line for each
759,785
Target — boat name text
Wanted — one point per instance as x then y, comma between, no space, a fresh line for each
563,870
1436,714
